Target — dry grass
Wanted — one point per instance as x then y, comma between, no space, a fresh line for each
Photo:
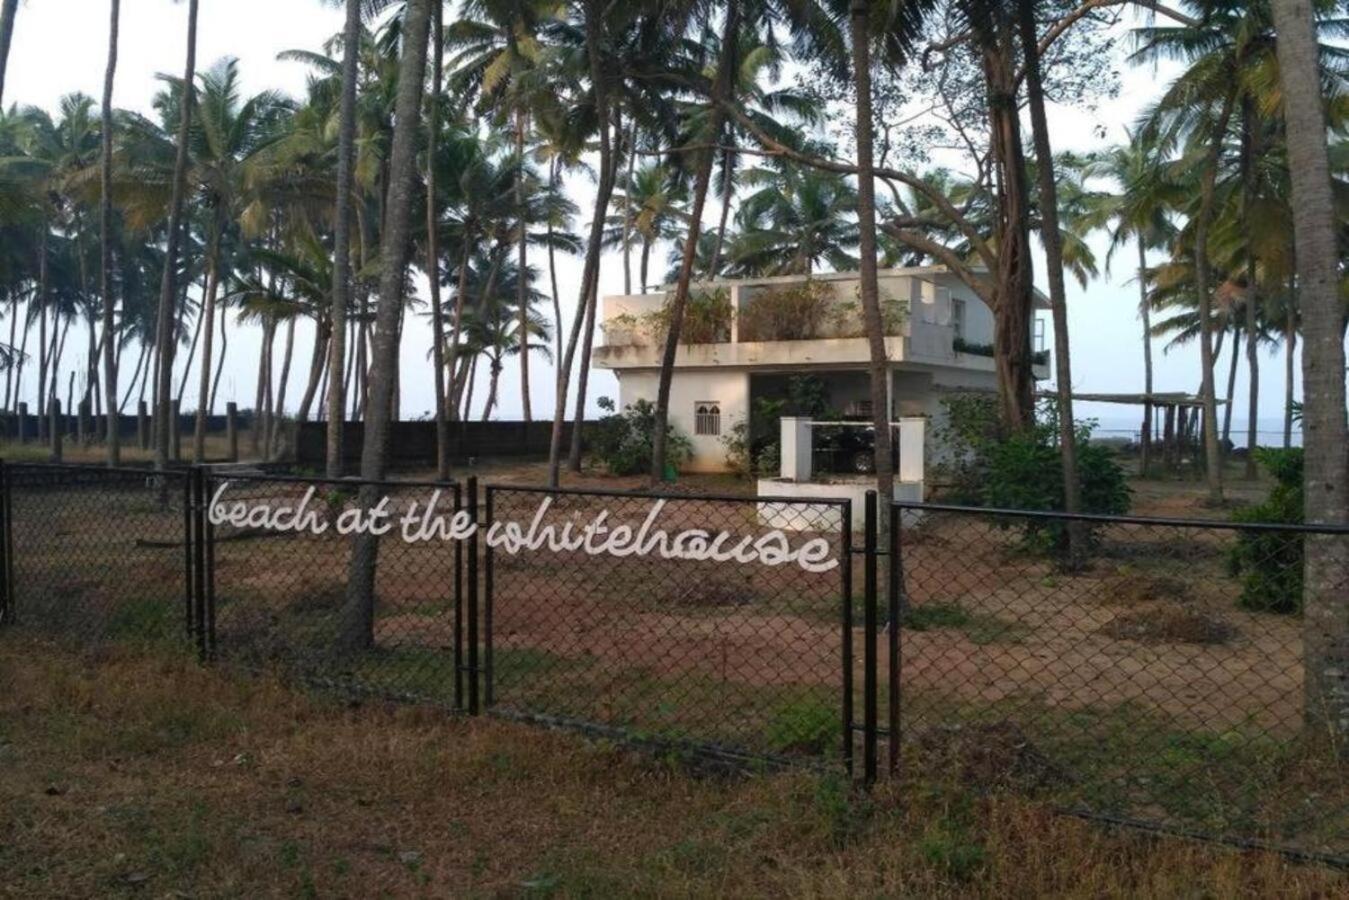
112,784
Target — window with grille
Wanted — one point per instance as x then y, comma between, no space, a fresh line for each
707,417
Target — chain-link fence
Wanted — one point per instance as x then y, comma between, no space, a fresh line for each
285,595
98,554
1162,679
683,635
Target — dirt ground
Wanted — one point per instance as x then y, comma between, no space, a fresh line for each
123,775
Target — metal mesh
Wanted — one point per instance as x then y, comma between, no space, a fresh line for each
281,598
745,657
1162,680
98,554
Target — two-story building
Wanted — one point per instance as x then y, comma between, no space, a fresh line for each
744,339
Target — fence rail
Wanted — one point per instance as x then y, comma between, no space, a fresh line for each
1160,681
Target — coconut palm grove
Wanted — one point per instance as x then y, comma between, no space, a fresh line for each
431,229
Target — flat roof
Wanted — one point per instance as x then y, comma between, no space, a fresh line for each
1166,398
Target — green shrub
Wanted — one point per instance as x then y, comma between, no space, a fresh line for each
1269,563
622,441
707,318
806,725
1024,470
753,447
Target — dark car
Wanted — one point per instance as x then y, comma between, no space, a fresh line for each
846,448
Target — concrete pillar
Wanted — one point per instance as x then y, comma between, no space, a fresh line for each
22,429
56,429
796,446
143,425
912,441
232,430
175,430
83,432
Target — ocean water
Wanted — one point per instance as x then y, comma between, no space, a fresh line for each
1269,430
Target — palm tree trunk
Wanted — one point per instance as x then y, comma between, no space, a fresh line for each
341,296
627,212
593,11
8,11
43,357
1248,155
522,265
1145,310
1325,432
135,376
721,89
1212,452
553,168
358,619
646,261
220,363
727,194
1231,385
583,376
279,413
9,374
457,320
204,376
169,289
191,351
466,384
1058,296
492,388
1289,350
105,241
879,368
433,248
316,369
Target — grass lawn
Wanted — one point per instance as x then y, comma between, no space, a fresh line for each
124,774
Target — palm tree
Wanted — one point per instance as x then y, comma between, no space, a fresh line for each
796,219
8,10
228,135
341,289
358,612
105,240
169,289
1325,430
720,92
1139,212
652,208
500,56
1052,238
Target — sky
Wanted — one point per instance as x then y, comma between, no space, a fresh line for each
60,46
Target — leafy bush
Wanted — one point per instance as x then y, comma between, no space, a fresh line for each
793,312
707,318
960,345
623,440
1024,470
1269,563
752,447
806,725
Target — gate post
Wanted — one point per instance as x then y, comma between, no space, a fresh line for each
870,553
896,608
846,552
472,667
189,580
6,595
458,606
487,605
199,556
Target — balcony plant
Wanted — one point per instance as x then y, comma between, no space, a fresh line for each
707,318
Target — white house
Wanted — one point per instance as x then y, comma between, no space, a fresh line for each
743,339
